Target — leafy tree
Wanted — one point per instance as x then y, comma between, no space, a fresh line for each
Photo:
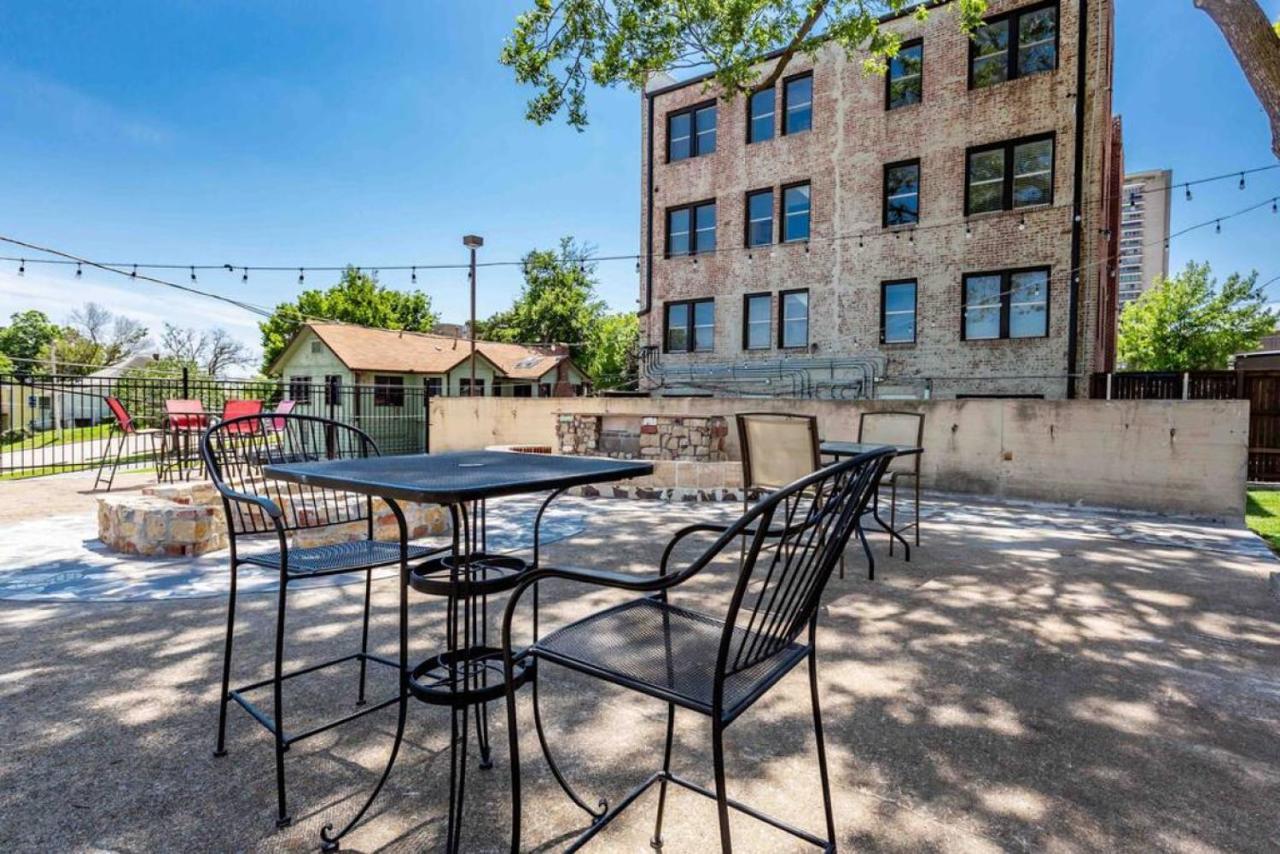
25,339
6,366
357,298
611,350
561,47
1188,323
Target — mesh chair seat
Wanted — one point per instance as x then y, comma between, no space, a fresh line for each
663,651
338,557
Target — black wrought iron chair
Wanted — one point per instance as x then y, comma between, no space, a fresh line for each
714,665
234,451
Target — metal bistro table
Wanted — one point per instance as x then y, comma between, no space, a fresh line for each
852,449
467,674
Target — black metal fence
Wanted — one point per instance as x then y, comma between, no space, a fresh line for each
55,424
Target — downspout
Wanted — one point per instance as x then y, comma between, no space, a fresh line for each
1077,192
648,259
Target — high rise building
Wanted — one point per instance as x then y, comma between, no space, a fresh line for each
1144,232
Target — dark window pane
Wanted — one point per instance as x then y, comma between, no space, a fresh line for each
679,137
1029,304
704,326
1033,173
902,194
758,322
705,128
678,328
795,220
678,232
799,102
761,116
1037,37
795,320
759,219
905,77
986,181
900,313
991,54
705,219
982,307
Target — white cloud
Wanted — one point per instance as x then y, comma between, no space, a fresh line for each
78,113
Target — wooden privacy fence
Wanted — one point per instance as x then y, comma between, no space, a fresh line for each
1260,388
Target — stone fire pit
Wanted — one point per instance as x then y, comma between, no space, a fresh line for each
187,519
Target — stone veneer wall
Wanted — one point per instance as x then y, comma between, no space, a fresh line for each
662,437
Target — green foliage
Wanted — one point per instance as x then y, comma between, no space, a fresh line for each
357,298
1188,323
6,366
563,46
611,350
25,339
558,305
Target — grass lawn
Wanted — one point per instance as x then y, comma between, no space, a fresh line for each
65,436
1262,515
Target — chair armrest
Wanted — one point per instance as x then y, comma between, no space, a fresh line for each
266,505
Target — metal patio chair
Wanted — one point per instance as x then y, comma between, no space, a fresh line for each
777,448
903,429
125,427
716,665
234,451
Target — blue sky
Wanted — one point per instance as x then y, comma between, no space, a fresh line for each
379,133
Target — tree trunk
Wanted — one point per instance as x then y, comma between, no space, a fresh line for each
1257,48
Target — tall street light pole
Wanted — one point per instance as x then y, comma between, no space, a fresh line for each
473,242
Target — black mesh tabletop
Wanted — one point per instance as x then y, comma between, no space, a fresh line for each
456,476
852,449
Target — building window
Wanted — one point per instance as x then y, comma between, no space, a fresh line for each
691,132
756,321
433,386
902,193
317,347
795,212
898,312
759,217
522,390
332,390
300,389
544,389
691,326
464,387
1007,175
388,390
797,103
905,80
1006,304
1017,44
793,320
691,229
760,116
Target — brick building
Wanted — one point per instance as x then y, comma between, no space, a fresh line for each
848,235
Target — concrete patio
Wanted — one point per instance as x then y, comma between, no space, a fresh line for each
1036,678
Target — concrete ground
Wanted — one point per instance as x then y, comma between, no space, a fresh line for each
1035,678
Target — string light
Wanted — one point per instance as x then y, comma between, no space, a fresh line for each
968,232
301,276
193,273
1022,222
1217,227
911,236
22,266
1188,192
1242,180
1275,206
79,271
134,274
637,264
413,276
244,275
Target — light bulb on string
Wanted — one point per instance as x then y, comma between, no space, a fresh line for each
638,263
806,247
859,241
1188,192
1242,180
244,275
1275,206
1022,222
193,273
413,276
134,274
1217,228
79,270
301,276
911,236
968,231
22,266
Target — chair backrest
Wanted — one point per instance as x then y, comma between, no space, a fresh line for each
796,536
234,408
123,419
186,414
777,448
894,428
235,451
284,407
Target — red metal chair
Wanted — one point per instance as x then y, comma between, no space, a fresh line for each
284,407
233,409
125,427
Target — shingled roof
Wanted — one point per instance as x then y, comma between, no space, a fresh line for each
363,349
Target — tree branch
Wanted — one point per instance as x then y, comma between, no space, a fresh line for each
1257,48
794,45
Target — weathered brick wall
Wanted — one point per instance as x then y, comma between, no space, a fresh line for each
843,157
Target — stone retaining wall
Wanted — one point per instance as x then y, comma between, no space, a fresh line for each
661,437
